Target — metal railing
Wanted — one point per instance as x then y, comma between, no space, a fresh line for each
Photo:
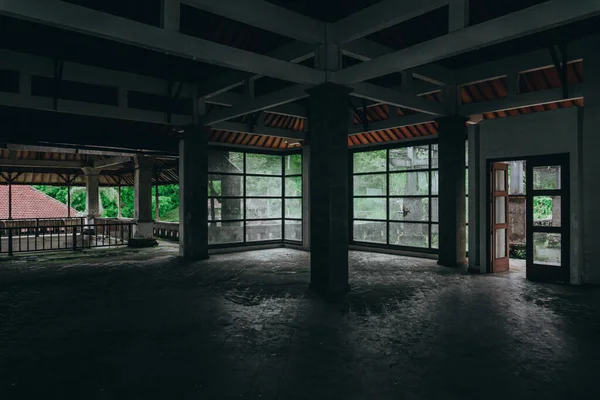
22,238
38,224
167,230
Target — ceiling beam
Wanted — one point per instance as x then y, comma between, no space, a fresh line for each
267,16
521,63
230,99
87,21
396,98
265,102
294,52
529,99
111,162
7,163
534,19
366,50
243,128
393,123
381,16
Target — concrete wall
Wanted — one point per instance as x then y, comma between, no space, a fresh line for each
543,133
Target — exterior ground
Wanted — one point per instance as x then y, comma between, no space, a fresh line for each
132,324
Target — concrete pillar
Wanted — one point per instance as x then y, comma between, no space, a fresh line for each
143,233
193,194
452,229
590,143
92,193
329,123
306,195
474,199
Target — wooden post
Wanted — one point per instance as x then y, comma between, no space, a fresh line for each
69,198
10,198
156,211
119,216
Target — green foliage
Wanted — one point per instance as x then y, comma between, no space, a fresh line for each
542,207
168,200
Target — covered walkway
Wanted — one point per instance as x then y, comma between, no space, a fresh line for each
141,323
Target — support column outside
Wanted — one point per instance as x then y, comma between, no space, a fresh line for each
452,224
92,194
143,233
329,189
193,194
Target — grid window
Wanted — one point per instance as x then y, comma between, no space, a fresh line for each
254,197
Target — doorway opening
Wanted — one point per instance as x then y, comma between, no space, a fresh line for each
528,209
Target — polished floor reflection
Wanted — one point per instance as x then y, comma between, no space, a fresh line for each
141,324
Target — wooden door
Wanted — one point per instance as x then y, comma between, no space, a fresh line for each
499,218
548,219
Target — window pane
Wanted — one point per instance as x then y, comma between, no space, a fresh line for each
263,230
409,183
225,209
263,186
435,236
293,208
225,185
263,208
408,158
434,210
370,185
434,182
546,178
293,230
409,209
499,180
547,248
369,231
225,161
263,164
434,156
293,186
500,209
370,161
406,234
293,164
370,208
225,232
546,211
500,251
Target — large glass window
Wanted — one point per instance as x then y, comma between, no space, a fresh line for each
395,197
254,197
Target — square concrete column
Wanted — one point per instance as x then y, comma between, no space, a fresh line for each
143,233
306,195
452,132
329,123
590,165
193,194
92,193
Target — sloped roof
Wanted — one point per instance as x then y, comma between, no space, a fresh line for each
28,202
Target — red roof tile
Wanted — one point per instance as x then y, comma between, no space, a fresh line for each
28,202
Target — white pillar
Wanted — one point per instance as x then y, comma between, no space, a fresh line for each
143,233
92,192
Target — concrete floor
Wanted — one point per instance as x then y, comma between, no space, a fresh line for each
141,324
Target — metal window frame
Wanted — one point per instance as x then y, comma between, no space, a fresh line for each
244,197
388,172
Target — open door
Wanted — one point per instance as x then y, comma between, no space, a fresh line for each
499,206
548,219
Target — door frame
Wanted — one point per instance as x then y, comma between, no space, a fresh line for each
552,159
541,272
